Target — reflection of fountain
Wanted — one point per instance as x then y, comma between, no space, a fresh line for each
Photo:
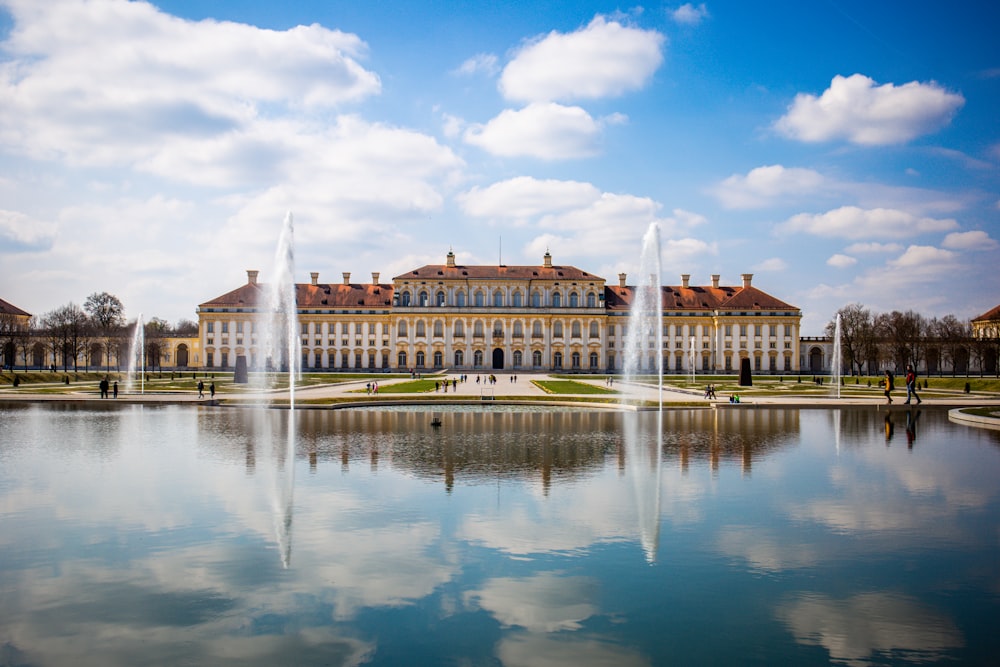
137,359
643,451
836,363
691,356
645,326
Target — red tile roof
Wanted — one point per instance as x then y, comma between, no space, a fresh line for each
502,272
992,314
10,309
307,295
694,298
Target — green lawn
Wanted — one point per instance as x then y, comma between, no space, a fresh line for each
570,387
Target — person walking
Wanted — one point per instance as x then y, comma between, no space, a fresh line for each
201,389
114,388
888,383
211,390
911,385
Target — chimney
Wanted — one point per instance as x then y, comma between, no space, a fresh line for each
747,277
451,259
715,280
685,279
621,279
252,276
547,260
315,277
374,277
347,277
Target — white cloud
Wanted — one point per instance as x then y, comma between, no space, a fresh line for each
605,59
923,256
856,223
771,264
22,232
764,186
974,240
481,62
840,261
872,247
547,131
689,14
119,83
525,197
855,109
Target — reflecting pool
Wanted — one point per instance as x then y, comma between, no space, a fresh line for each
177,535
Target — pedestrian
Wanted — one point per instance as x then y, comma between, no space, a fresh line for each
116,389
201,389
887,385
211,389
103,386
911,385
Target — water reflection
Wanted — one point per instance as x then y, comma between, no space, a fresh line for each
165,535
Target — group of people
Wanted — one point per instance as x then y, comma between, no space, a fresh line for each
710,391
105,387
889,383
201,389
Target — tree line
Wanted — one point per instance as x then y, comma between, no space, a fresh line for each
95,335
872,342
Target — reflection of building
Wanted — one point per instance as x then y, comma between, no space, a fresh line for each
546,317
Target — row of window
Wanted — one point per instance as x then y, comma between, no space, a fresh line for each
479,297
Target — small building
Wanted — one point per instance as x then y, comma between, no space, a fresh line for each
13,326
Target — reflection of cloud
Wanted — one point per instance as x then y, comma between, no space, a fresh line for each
546,602
764,550
548,650
869,624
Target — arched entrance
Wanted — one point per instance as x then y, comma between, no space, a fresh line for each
182,356
815,360
498,359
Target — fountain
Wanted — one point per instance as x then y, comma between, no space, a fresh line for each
137,359
280,344
836,364
645,325
691,356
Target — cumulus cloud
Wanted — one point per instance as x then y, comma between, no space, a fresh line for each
852,222
604,59
22,232
767,185
872,247
858,110
481,62
840,261
974,240
117,83
525,197
771,264
689,14
547,131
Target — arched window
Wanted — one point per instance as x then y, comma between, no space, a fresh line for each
477,329
405,299
611,361
459,358
593,361
575,360
497,328
518,358
477,358
536,299
536,329
423,297
557,360
575,329
594,331
517,299
460,299
438,329
480,299
518,330
401,329
401,360
557,329
536,359
421,329
497,299
439,298
459,329
556,300
591,300
420,359
438,359
574,300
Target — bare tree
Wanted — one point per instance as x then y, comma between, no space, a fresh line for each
186,328
156,330
66,333
856,331
900,337
107,313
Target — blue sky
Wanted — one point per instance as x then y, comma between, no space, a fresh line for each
842,152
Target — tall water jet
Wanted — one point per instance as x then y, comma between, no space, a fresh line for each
645,325
137,359
836,363
691,356
280,347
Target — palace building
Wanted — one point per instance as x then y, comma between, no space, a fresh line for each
513,318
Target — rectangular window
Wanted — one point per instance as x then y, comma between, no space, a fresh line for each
729,329
611,330
371,328
357,327
743,330
225,327
239,327
209,328
774,330
758,330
